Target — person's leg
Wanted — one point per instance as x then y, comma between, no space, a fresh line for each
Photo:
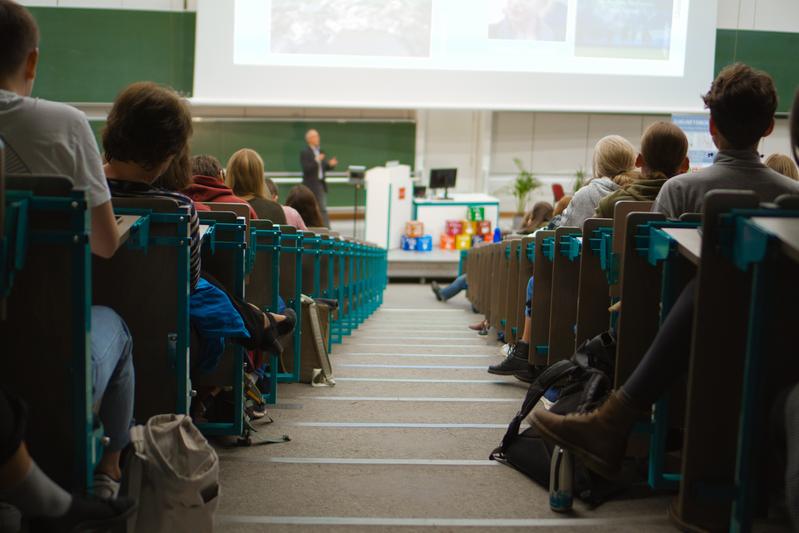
517,362
600,437
792,447
114,384
321,196
454,288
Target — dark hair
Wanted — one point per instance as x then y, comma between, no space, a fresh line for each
794,127
304,201
273,191
664,147
205,165
177,175
742,103
19,35
147,125
539,215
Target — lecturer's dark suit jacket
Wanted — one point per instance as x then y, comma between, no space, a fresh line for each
310,170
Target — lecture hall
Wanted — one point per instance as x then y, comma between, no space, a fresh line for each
399,266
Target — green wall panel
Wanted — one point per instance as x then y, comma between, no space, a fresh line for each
89,55
279,144
774,52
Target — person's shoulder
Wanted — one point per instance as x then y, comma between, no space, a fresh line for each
56,113
782,181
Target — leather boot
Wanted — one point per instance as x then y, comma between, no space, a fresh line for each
599,438
514,362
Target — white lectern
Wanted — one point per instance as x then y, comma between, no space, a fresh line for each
389,196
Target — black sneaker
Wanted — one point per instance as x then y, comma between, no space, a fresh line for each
87,513
437,291
529,374
515,361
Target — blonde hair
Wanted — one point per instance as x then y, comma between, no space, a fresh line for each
614,158
245,173
783,164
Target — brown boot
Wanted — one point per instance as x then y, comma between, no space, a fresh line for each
599,438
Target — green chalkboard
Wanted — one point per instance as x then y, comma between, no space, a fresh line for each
279,143
89,55
774,52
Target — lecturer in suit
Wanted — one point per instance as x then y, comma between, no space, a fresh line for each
314,166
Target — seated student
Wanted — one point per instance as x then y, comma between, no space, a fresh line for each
538,217
304,201
245,175
207,184
44,137
293,218
742,103
614,167
147,128
783,164
557,212
664,150
38,497
792,403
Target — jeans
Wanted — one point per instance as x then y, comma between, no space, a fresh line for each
668,357
528,304
454,288
112,373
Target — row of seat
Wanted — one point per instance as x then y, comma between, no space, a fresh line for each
49,280
745,257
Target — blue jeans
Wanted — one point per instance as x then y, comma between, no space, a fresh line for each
454,288
528,305
112,373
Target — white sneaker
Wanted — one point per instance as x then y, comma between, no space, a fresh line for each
105,487
505,350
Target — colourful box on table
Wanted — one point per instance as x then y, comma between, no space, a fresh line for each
424,243
414,228
476,213
463,242
469,227
484,228
447,242
453,227
408,243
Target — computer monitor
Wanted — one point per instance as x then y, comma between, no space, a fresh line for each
443,178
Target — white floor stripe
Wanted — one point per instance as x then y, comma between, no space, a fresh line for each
356,461
421,309
464,356
396,425
420,380
418,338
420,367
443,399
441,522
452,345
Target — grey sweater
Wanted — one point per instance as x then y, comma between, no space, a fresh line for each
731,169
585,200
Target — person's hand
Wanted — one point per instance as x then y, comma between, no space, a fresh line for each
320,157
333,162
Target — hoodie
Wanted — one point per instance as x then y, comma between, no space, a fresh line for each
208,189
586,200
643,190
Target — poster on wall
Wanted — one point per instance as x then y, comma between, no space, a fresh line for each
701,149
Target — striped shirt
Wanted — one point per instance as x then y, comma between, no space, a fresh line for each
133,189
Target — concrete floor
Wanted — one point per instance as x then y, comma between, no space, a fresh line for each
401,442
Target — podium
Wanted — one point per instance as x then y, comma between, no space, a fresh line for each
389,204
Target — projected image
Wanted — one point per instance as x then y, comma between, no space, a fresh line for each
529,20
633,29
398,28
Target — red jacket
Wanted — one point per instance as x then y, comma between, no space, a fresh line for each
208,189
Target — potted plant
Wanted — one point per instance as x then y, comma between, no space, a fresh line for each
579,180
521,189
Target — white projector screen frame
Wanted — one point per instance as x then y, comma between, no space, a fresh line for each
219,81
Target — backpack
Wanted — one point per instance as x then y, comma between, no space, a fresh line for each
174,476
581,384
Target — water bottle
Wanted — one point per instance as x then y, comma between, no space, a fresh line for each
561,479
497,235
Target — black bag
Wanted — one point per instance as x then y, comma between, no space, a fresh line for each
584,384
